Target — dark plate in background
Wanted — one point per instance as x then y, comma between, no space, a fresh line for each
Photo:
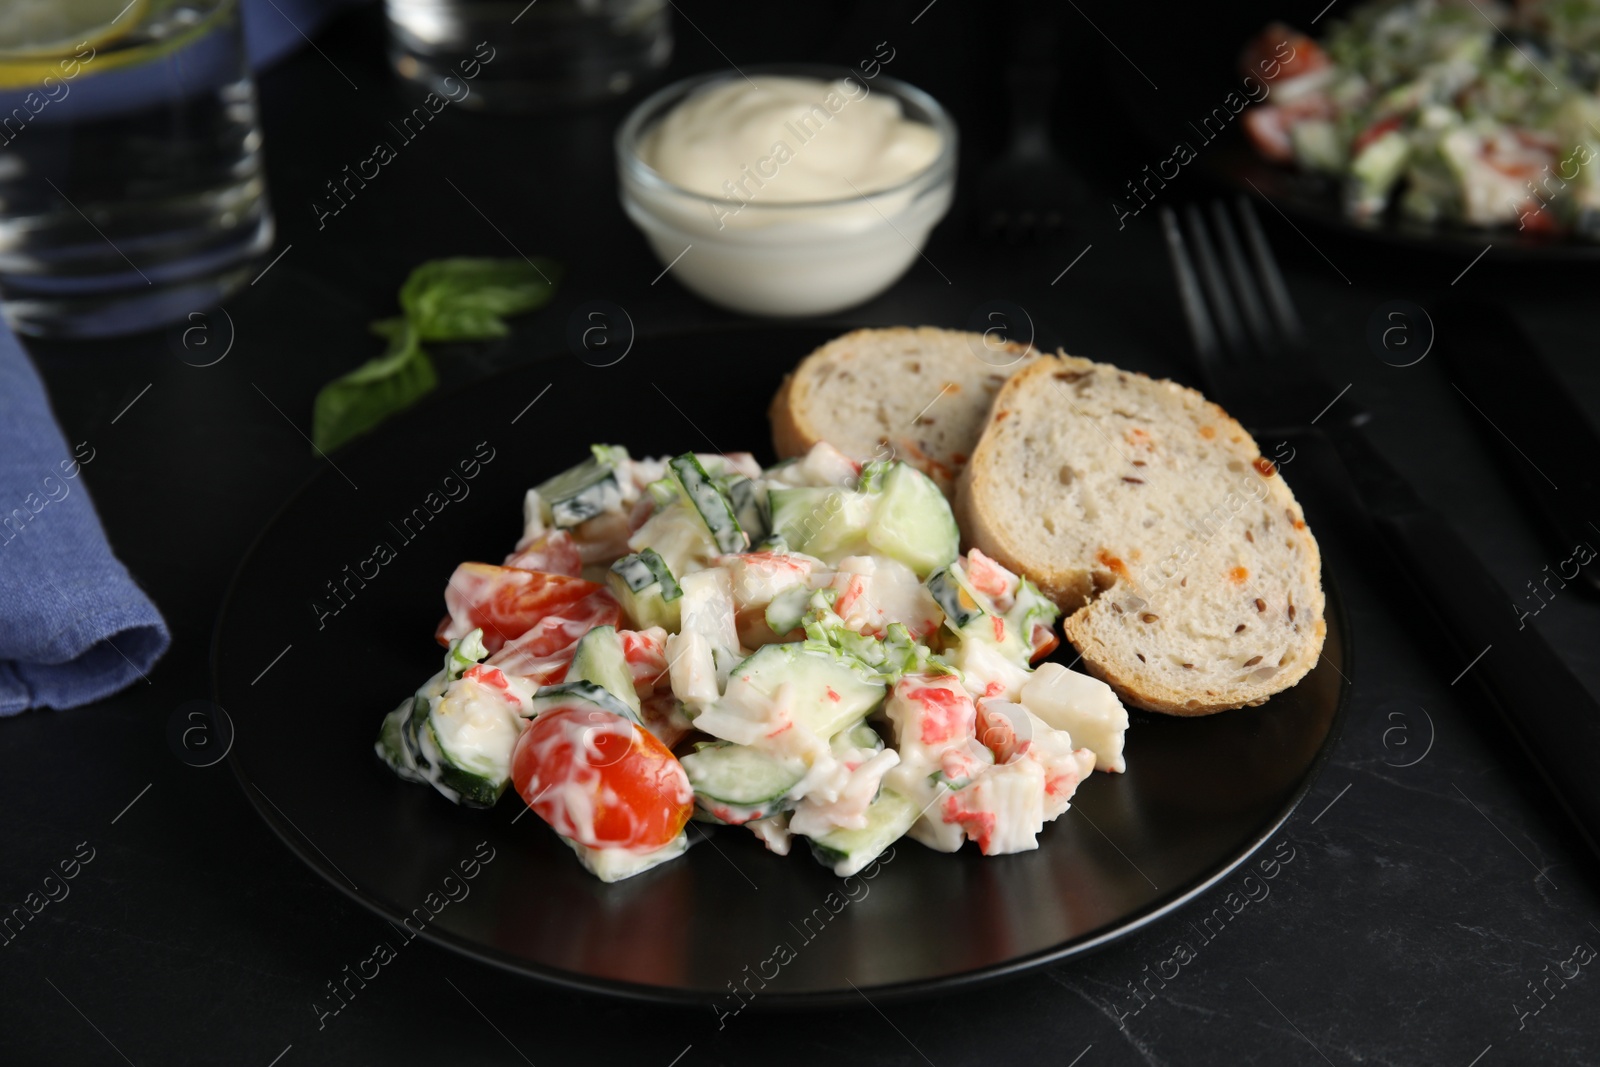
1195,64
306,689
1314,198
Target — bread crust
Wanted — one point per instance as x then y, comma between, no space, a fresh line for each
789,437
1102,664
1071,586
1075,584
794,432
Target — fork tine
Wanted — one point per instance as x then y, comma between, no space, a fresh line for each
1216,284
1271,276
1244,286
1201,330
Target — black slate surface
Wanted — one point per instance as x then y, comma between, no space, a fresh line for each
1426,887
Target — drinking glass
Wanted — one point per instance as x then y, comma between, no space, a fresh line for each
543,54
131,186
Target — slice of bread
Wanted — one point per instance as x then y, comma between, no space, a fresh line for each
1189,579
918,395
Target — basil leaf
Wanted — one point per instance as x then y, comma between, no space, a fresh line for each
467,299
349,406
388,329
459,299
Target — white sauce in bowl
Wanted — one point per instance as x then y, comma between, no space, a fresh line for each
778,139
785,195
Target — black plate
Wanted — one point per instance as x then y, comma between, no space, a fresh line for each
1189,85
1315,198
306,686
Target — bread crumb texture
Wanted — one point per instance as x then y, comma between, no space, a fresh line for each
920,395
1190,580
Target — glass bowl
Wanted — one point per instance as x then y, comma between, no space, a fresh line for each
786,259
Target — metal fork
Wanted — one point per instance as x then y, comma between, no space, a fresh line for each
1248,340
1251,352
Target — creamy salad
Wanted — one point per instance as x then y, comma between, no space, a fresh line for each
1474,113
801,651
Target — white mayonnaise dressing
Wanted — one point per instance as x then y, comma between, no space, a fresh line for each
479,722
799,196
615,864
788,140
773,832
843,804
875,591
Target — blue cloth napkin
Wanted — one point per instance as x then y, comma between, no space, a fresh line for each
73,625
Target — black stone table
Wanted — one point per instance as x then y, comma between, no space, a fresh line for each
1429,898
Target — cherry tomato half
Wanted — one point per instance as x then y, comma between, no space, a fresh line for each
507,602
553,553
543,654
600,780
1280,52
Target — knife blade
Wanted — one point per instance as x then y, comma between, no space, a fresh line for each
1546,444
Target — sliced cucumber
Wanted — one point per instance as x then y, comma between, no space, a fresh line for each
463,654
721,814
582,492
860,736
469,740
582,695
786,609
827,693
1317,146
872,475
827,523
678,536
1030,608
738,775
790,507
749,501
411,733
615,864
646,568
973,618
913,522
719,467
599,659
1380,163
710,502
960,607
663,491
409,742
848,851
475,784
391,745
644,585
461,746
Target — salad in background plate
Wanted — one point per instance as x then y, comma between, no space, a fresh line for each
1445,111
801,651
